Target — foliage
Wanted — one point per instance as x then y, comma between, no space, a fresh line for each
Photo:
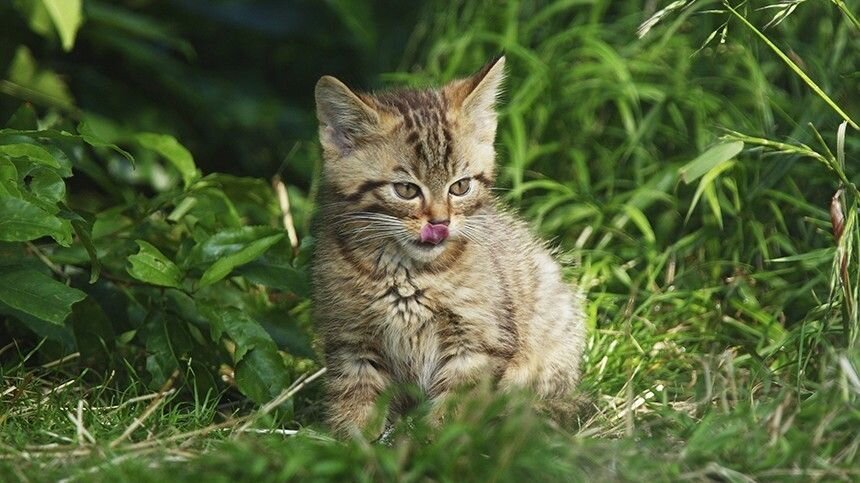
692,162
171,264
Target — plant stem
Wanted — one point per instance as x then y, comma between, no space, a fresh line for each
797,70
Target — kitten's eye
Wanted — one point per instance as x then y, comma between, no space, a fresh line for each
407,191
461,187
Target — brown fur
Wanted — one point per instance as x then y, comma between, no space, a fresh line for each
487,304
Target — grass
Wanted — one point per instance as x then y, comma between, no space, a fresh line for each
722,307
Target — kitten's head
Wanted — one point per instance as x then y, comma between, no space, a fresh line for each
410,166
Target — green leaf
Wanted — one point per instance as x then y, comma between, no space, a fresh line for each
161,360
37,294
812,258
32,152
710,158
262,375
94,334
111,222
713,200
244,331
277,275
24,118
47,185
222,267
641,221
706,182
21,220
260,370
8,179
45,85
88,133
227,242
67,17
84,231
168,147
37,17
151,266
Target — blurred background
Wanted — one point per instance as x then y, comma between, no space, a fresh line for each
232,79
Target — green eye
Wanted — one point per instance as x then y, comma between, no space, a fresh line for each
407,191
460,187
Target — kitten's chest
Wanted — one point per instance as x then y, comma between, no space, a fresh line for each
408,314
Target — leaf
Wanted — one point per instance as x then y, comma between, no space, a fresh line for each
37,17
227,242
222,267
84,231
279,276
161,360
260,370
47,185
62,334
239,327
24,118
21,220
67,18
706,182
94,334
713,200
110,222
8,179
262,375
641,221
44,84
32,152
151,266
710,158
37,294
812,258
89,135
168,147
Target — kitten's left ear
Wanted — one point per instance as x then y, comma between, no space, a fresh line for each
476,96
345,118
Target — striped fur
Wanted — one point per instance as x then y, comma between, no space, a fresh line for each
489,303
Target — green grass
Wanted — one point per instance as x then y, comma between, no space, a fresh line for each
722,299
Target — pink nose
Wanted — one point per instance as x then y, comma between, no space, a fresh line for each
434,233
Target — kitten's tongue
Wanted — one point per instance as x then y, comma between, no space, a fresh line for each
434,234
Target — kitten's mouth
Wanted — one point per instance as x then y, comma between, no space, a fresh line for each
428,245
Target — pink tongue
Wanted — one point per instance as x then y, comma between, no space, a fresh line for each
434,234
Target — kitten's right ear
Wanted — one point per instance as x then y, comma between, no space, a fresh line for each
344,117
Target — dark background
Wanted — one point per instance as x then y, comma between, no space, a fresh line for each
232,79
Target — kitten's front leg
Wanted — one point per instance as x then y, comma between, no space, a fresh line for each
460,371
354,385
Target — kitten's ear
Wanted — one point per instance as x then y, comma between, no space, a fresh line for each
476,96
344,117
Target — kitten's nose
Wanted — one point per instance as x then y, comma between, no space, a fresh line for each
434,232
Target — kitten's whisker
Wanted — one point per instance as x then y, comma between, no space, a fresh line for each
372,227
471,234
367,214
381,235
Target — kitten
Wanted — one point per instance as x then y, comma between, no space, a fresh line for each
419,276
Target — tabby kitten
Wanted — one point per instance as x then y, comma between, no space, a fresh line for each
419,276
